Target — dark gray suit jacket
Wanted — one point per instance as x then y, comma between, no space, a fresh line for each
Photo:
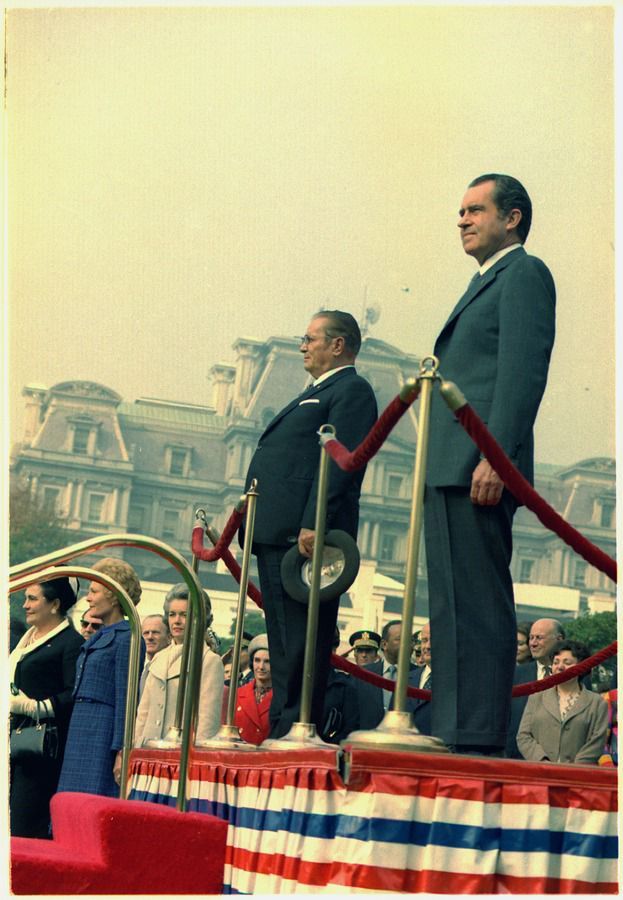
496,347
287,458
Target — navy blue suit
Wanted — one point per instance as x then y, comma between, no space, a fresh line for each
496,347
285,465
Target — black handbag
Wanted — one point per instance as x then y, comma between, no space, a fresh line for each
33,739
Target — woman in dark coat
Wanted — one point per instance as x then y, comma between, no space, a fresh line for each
93,754
42,667
253,698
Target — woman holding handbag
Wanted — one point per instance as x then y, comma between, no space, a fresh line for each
42,670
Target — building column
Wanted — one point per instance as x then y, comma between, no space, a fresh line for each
114,506
69,493
78,500
125,506
374,541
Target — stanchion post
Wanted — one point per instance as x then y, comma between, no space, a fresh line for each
397,731
303,733
228,735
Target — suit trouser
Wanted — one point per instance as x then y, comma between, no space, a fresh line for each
472,615
286,625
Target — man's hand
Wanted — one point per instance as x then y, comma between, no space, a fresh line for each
306,542
487,486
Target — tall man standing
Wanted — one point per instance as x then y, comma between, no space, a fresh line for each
285,464
496,346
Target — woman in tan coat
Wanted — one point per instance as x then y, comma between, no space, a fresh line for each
157,707
566,723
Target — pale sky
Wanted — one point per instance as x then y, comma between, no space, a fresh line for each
178,178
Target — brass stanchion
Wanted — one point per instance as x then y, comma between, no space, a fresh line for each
397,731
135,646
173,738
228,736
303,733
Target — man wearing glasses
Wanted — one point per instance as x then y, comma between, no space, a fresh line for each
285,465
89,624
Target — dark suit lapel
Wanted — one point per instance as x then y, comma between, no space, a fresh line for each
307,395
479,284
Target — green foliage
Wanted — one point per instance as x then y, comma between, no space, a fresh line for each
254,623
34,530
596,630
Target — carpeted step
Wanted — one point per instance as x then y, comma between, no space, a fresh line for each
107,846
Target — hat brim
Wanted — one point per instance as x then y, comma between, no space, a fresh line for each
293,562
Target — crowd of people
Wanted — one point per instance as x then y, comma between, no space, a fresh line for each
78,681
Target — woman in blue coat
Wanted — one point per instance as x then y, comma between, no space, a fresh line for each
97,722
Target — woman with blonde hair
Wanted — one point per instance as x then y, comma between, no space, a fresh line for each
156,711
93,753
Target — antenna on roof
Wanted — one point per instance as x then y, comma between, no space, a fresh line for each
370,314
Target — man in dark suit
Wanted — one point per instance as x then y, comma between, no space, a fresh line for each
496,346
286,464
373,702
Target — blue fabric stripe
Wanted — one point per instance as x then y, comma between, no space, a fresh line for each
475,837
392,831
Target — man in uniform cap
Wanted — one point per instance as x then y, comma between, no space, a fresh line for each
365,646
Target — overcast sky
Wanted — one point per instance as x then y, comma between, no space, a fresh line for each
182,177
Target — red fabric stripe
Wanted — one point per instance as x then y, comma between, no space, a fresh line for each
278,865
485,791
437,882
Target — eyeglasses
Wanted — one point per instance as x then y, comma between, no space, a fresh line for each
94,626
306,340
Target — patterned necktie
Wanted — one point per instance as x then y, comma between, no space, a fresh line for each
387,695
428,684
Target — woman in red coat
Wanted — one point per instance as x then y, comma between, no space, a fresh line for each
253,699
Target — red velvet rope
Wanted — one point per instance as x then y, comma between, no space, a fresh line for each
233,524
525,493
577,671
517,484
371,444
338,662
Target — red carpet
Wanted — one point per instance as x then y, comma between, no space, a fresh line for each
106,846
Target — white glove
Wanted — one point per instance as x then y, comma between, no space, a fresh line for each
20,704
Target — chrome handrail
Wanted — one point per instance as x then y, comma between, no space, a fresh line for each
128,607
195,629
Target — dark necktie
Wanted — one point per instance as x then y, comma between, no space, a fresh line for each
387,695
428,684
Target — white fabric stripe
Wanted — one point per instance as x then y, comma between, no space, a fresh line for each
476,813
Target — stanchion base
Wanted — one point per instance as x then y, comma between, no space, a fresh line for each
171,741
396,732
226,738
301,736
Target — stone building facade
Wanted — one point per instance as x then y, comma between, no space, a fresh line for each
108,465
